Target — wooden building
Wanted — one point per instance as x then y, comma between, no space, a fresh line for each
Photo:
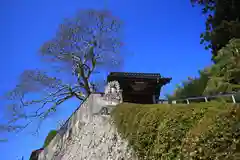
143,88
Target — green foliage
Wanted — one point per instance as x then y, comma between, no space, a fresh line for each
222,23
197,131
191,88
49,137
225,73
223,76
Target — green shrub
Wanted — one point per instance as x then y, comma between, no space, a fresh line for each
196,131
49,137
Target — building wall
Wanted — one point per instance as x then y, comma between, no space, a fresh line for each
84,132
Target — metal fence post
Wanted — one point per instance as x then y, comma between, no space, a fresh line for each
174,102
233,99
206,100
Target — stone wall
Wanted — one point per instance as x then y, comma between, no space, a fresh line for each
87,135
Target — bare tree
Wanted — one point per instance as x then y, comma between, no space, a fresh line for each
21,158
6,128
83,45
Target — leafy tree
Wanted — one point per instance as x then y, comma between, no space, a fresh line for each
225,74
85,44
193,87
222,23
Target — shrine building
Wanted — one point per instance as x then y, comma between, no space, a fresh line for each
143,88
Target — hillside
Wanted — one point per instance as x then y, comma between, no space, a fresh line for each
195,131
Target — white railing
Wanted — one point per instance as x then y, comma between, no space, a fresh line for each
204,98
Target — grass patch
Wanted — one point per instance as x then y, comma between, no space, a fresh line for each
194,131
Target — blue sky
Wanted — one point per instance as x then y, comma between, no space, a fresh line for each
161,36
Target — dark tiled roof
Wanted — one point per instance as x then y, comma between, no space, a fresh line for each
135,74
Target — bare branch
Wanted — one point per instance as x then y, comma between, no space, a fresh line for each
89,41
85,41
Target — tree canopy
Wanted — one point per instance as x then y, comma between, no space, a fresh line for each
222,23
222,77
193,87
225,74
221,35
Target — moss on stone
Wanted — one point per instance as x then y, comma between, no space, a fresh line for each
49,137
